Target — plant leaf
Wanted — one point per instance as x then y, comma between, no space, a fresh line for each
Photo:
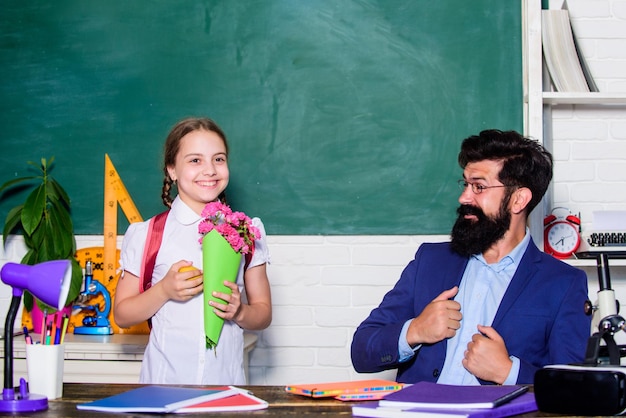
61,217
13,182
44,252
13,219
45,307
76,282
55,189
59,227
29,258
49,241
39,166
33,209
35,239
28,301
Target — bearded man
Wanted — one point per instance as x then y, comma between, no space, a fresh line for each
488,307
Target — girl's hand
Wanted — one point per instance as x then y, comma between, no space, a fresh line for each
229,311
181,282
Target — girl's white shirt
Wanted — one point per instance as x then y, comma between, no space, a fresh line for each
176,352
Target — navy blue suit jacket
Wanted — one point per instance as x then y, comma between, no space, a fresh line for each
541,316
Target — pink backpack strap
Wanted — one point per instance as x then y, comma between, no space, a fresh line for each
248,259
153,243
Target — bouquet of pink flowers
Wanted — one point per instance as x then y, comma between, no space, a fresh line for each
235,227
226,235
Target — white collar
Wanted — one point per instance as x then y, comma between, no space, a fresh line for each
183,213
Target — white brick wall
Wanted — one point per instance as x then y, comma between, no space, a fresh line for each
323,286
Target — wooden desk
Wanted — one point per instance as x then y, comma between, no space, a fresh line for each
282,404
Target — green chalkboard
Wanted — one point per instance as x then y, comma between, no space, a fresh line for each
344,117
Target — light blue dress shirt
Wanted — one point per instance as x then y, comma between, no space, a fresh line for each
482,287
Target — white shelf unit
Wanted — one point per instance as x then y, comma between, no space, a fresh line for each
598,99
593,263
538,105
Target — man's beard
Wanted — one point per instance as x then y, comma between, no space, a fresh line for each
471,237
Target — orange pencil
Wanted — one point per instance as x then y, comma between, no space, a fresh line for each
53,331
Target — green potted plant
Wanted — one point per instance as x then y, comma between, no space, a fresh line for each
45,222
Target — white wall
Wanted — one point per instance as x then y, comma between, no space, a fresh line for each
324,286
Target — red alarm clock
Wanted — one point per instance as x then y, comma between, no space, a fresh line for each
561,235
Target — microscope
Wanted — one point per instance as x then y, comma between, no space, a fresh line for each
606,320
598,385
97,321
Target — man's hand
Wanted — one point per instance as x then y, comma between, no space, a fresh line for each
486,356
439,320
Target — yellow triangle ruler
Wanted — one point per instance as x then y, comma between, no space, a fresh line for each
114,192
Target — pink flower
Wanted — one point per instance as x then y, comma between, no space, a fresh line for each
235,227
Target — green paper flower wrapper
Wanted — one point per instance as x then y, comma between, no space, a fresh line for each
219,262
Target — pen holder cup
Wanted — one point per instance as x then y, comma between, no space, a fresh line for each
45,369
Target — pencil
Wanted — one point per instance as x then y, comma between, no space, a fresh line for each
66,321
53,329
44,325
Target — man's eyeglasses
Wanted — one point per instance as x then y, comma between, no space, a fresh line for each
477,188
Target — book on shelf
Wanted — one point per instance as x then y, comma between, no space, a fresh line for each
564,61
440,396
520,405
347,391
156,399
583,62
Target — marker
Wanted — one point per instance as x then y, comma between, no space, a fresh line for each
27,337
48,330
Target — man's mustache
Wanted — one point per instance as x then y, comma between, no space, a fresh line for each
464,210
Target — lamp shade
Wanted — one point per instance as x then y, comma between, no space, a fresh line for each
48,281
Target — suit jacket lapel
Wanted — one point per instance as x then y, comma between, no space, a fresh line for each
525,271
457,269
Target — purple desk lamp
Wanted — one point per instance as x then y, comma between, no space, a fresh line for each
48,282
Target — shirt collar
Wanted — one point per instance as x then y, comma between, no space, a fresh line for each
518,252
514,257
183,213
